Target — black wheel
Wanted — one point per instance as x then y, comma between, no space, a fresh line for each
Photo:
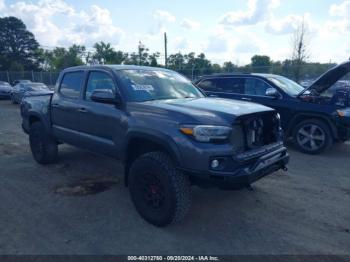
160,193
43,147
312,136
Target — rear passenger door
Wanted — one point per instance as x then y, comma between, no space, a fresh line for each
65,107
228,87
101,124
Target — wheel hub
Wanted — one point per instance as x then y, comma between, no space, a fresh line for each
311,137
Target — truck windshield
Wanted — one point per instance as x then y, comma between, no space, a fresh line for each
287,85
145,85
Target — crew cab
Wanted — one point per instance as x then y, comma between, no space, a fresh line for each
167,133
314,117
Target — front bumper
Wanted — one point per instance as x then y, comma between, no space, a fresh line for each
245,171
343,128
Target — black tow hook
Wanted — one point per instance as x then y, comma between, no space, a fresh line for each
285,168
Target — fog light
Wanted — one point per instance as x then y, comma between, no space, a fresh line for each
215,163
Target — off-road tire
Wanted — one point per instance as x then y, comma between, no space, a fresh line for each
173,185
44,148
322,129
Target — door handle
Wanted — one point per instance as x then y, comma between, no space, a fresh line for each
55,105
246,98
82,110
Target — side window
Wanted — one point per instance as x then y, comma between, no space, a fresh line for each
255,87
98,81
233,85
71,84
208,85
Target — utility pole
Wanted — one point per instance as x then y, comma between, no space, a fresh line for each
166,50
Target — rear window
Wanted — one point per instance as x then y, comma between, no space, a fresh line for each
71,84
227,85
209,85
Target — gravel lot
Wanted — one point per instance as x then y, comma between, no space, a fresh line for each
303,211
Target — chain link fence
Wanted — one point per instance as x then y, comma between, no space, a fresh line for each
48,78
307,73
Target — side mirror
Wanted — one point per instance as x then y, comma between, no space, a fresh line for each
272,92
105,96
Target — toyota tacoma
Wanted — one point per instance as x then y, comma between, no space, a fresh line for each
167,133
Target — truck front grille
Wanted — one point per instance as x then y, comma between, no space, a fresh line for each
255,131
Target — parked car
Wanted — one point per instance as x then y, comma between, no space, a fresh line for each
5,89
166,132
22,89
313,119
21,81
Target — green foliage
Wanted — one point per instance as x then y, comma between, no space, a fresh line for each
18,47
105,54
261,63
61,58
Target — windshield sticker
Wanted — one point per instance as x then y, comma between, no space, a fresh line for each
142,87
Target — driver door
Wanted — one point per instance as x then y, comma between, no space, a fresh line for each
101,124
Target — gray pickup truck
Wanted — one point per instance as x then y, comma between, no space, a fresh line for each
168,135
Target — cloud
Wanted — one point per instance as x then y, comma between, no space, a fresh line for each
341,24
285,25
258,10
342,10
164,16
190,24
83,27
95,25
289,24
217,45
2,4
249,47
181,43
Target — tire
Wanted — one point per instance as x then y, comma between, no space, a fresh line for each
312,136
44,148
161,194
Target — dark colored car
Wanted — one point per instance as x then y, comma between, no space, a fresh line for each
21,81
311,117
165,131
25,89
5,89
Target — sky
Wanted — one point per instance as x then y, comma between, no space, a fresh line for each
225,30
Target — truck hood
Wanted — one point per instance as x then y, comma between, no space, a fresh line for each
212,110
38,92
329,78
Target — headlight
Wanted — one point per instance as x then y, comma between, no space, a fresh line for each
343,112
207,133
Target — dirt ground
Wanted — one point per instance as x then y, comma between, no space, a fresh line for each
52,209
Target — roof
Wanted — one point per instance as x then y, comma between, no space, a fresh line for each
116,67
236,74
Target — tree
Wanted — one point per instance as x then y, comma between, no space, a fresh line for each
105,53
176,61
229,67
61,58
18,47
261,63
153,59
299,49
